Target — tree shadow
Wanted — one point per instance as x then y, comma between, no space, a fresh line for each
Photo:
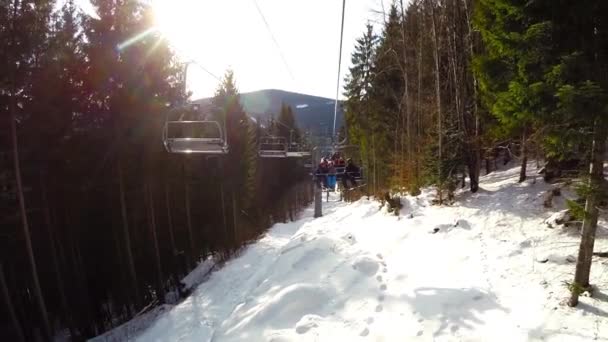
454,308
592,309
541,333
517,201
599,295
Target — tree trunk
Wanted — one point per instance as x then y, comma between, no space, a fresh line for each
234,221
596,177
419,104
127,235
524,158
17,170
9,306
476,145
56,269
438,100
406,95
464,178
152,219
474,169
223,204
87,319
170,221
193,251
375,178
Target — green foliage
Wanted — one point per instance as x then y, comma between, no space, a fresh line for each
577,288
576,209
240,132
540,70
286,126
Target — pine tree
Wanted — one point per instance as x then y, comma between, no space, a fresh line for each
241,161
358,84
26,26
287,126
542,69
512,69
387,89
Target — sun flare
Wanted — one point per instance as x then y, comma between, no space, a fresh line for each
181,22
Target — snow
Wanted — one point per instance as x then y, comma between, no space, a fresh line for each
487,268
129,330
200,273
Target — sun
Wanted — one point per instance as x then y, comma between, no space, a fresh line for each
181,22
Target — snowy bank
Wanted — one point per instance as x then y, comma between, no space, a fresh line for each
487,268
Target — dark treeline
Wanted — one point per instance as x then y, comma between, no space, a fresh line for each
447,87
97,221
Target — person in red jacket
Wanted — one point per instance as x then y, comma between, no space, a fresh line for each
322,171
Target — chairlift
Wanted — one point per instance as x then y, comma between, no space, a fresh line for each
273,147
297,150
280,147
200,136
339,171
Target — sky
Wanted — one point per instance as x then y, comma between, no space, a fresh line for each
224,34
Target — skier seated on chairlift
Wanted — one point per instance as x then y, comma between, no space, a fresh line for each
331,177
351,172
321,173
338,160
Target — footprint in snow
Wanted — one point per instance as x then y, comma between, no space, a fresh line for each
381,298
383,287
364,332
379,256
366,265
307,323
350,238
379,278
379,308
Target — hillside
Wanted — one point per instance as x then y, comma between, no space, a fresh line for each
487,268
313,113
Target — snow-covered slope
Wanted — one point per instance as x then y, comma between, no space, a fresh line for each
485,269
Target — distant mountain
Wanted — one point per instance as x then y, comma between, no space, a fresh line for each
313,113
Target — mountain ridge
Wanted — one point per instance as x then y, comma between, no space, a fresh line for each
312,113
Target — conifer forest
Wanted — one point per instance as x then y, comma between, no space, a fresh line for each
98,222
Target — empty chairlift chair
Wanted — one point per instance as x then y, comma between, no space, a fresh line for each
194,136
297,151
273,147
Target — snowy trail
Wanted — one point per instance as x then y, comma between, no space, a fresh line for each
359,274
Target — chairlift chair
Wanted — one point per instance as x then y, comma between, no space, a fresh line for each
273,147
353,152
347,151
194,136
297,151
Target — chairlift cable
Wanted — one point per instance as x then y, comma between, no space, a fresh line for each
339,67
274,39
195,62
